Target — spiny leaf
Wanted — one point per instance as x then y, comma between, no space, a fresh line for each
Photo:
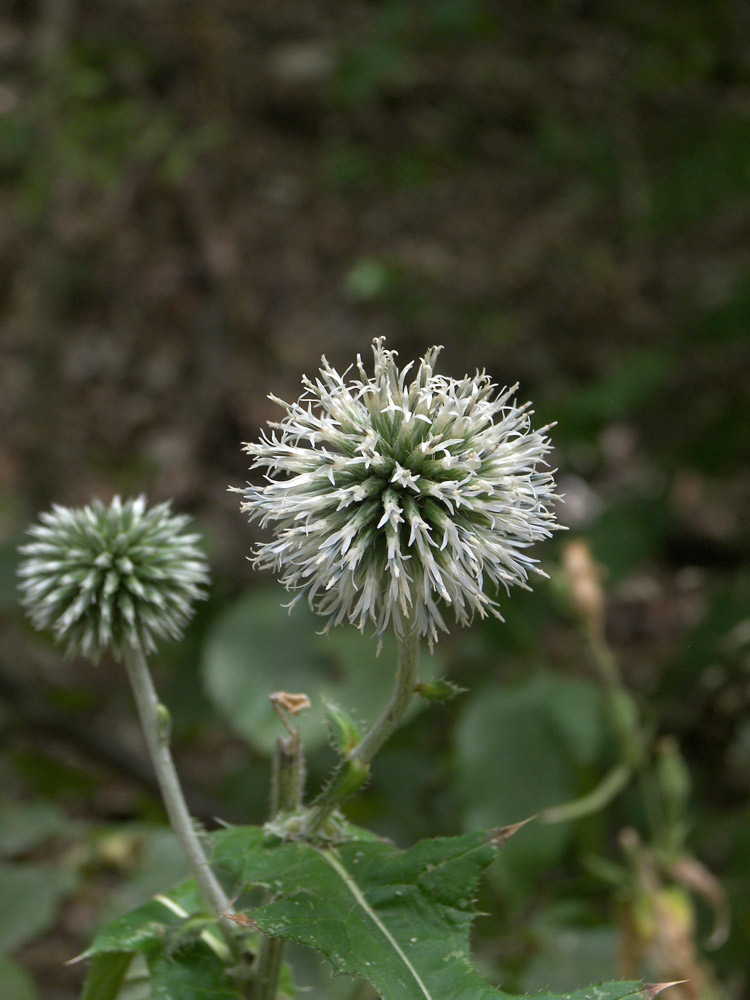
171,918
439,690
399,919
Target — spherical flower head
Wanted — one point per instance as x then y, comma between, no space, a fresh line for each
392,501
111,577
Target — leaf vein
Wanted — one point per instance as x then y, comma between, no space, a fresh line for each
361,899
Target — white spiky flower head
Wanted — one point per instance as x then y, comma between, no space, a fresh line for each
392,501
108,577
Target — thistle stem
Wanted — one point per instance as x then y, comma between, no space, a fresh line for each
268,975
288,775
407,677
288,778
155,723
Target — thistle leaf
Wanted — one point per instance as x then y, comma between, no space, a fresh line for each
399,919
170,919
186,956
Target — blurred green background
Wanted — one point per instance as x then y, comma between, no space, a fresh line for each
198,199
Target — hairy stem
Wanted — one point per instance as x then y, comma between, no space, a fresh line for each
288,775
407,677
155,722
288,778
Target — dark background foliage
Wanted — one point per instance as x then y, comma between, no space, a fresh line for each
199,199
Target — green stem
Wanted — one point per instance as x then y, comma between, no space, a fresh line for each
155,722
288,778
407,677
594,801
268,974
288,775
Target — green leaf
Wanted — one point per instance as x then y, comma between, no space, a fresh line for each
137,984
179,939
193,973
521,750
106,976
143,930
570,949
186,955
399,919
17,983
625,990
166,917
24,826
29,897
257,646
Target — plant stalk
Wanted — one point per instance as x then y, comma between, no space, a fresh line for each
288,775
407,677
155,723
287,784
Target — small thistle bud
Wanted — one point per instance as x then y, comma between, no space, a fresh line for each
673,776
394,501
108,577
440,690
342,729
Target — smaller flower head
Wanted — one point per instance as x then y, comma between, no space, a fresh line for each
392,501
110,577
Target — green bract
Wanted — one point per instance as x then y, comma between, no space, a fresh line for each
106,577
392,501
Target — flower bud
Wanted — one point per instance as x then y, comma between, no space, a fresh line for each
343,730
441,690
584,580
111,577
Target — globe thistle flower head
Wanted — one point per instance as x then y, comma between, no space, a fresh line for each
109,577
393,501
